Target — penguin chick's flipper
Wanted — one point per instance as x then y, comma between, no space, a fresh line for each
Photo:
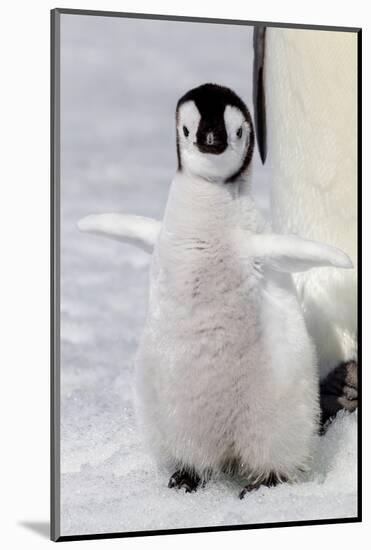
183,478
290,253
339,390
270,481
136,230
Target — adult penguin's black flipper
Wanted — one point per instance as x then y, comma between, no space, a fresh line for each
259,92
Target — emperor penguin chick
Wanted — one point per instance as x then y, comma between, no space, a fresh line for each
226,374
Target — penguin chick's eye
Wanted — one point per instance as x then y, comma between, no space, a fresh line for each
185,131
239,132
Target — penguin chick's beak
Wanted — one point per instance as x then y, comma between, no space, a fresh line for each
215,148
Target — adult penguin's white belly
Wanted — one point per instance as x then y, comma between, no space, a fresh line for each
311,113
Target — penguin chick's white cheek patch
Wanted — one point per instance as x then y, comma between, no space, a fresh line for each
238,129
205,352
188,121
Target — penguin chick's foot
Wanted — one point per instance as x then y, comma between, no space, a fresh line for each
270,481
339,390
183,478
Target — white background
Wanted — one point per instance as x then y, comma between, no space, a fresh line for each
24,299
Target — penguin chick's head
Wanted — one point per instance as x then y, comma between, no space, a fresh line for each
215,136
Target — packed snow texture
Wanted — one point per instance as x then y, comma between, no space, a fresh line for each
120,80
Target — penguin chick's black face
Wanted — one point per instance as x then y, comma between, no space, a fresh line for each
215,137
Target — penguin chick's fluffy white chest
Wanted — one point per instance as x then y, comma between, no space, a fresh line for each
226,373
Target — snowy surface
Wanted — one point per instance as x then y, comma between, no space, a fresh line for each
120,83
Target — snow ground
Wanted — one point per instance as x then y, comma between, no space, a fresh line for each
120,82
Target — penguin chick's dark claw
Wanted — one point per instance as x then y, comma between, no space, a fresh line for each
271,481
183,479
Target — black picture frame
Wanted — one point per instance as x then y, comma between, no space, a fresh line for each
55,274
